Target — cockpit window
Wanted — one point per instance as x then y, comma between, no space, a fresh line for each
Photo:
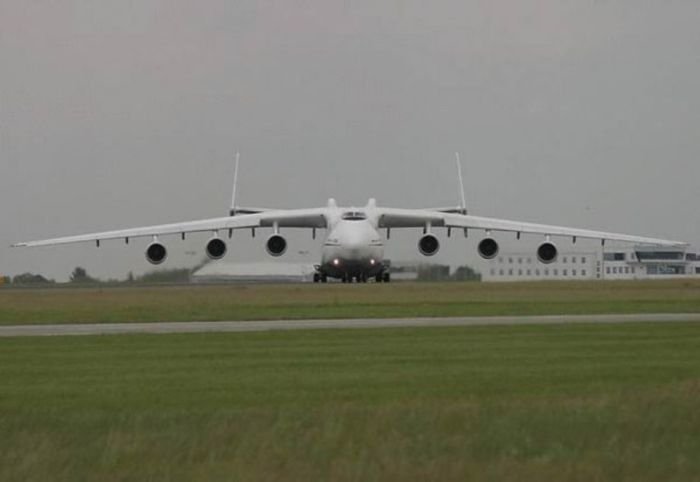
354,216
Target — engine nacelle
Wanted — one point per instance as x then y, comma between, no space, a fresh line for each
488,248
156,253
216,248
276,245
547,253
428,245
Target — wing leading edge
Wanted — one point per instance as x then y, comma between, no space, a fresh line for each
293,218
416,218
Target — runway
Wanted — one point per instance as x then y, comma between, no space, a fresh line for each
290,325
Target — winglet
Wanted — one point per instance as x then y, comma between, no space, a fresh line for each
232,211
463,200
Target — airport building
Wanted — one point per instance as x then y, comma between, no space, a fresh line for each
637,262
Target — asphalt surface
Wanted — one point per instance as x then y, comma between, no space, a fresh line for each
287,325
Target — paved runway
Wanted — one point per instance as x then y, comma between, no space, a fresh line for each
283,325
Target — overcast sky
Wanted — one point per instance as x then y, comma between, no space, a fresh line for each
117,114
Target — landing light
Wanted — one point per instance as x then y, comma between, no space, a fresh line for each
336,262
371,261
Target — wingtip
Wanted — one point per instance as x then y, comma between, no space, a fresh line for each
19,245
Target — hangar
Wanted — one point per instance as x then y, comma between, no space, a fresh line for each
271,272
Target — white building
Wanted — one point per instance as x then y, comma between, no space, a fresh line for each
637,262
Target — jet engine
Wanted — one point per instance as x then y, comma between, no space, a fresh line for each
216,248
156,253
547,253
276,245
428,245
488,248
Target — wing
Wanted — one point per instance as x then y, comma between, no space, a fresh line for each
417,218
292,218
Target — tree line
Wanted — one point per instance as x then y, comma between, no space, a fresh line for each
80,276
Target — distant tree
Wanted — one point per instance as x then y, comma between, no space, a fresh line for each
80,275
167,276
130,277
5,280
466,273
30,279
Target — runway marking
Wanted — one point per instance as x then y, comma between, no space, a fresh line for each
367,323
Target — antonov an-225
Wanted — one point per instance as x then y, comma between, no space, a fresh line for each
353,248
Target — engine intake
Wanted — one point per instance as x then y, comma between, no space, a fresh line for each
488,248
216,249
276,245
156,253
428,245
547,253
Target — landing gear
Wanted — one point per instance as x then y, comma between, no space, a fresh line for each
320,278
383,277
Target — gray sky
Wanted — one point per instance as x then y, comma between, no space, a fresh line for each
125,113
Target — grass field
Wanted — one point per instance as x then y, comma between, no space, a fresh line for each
582,403
259,302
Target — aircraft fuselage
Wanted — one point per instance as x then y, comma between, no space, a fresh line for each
353,249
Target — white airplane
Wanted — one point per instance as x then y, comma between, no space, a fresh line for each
353,248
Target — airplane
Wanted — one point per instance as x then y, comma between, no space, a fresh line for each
353,249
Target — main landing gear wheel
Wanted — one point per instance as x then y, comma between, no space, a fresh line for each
317,277
387,277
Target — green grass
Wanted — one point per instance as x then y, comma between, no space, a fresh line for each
584,402
258,302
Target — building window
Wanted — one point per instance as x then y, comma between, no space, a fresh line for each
614,256
546,272
573,260
510,272
493,272
583,260
529,272
500,260
510,260
556,272
500,272
537,272
529,260
607,270
615,270
564,260
520,260
627,270
573,272
520,272
583,272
